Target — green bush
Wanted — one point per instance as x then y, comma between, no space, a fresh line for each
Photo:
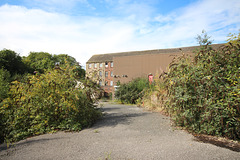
204,92
45,103
4,87
132,91
4,83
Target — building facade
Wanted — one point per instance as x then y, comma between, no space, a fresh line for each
110,69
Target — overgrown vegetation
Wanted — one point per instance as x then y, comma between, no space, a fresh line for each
45,103
202,93
49,99
133,91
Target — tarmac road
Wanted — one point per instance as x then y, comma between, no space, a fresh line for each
124,133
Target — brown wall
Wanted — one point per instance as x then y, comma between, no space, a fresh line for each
140,66
108,79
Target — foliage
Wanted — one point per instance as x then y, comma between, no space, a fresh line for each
154,97
45,103
203,39
11,61
4,87
4,83
62,58
204,92
39,61
132,91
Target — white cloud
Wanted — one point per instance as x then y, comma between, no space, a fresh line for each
24,30
179,28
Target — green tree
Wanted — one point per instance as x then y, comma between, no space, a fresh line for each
64,58
38,61
204,39
12,62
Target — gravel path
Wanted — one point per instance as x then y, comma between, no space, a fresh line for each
125,133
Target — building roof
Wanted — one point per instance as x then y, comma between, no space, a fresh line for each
109,56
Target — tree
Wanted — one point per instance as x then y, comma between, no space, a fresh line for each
64,58
204,39
38,61
61,58
12,62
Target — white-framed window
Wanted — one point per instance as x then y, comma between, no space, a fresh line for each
111,73
100,83
89,65
100,73
111,83
106,74
100,65
95,65
111,64
106,64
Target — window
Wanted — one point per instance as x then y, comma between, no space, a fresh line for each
100,73
106,83
95,65
89,65
100,83
106,74
111,83
111,73
111,64
100,65
106,64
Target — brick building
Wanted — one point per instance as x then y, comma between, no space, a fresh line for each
109,69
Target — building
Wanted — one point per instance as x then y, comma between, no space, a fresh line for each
109,69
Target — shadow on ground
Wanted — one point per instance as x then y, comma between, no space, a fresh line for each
26,142
111,118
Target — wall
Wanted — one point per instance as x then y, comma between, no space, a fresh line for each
141,65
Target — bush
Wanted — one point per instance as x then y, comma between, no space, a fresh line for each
204,92
4,87
4,83
132,91
45,103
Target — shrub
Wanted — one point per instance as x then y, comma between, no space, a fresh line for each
204,92
45,103
4,87
132,91
154,97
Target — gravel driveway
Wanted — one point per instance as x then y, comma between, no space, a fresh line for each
124,133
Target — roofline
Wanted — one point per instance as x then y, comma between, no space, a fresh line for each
118,54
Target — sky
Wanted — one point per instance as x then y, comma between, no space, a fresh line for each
82,28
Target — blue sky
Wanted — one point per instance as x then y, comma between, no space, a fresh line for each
82,28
